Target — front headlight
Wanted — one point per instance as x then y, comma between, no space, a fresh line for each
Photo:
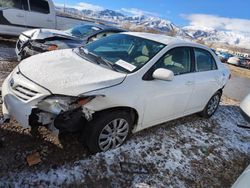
58,104
44,46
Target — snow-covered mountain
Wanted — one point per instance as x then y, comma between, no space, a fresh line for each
153,23
148,22
210,35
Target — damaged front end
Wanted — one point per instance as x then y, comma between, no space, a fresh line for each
62,113
33,47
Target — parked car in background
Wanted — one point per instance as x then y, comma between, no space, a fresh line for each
239,61
121,83
245,63
224,56
234,60
245,107
17,16
37,41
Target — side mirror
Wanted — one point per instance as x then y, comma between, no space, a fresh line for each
163,74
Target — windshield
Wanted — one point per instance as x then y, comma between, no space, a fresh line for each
82,31
124,52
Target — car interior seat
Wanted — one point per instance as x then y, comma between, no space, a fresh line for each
177,63
144,57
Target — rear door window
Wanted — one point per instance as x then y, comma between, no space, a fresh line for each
204,60
40,6
18,4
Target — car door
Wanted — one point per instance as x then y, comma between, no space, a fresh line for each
39,15
207,78
167,100
13,16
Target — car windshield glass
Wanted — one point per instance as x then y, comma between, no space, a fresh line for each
82,31
124,52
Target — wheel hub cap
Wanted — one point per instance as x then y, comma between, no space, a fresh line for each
113,134
213,104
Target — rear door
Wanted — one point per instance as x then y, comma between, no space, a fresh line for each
40,15
13,16
207,77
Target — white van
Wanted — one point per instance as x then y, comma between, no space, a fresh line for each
17,16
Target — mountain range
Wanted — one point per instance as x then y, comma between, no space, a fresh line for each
151,23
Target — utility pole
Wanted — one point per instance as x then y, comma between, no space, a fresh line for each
64,6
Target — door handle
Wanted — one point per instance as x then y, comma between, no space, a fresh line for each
20,16
189,83
49,20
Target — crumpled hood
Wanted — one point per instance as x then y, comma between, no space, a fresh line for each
64,72
46,33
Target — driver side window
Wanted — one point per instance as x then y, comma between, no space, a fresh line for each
177,60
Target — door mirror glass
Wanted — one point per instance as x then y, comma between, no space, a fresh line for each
163,74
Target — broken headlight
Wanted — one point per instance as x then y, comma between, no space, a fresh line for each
58,104
44,46
52,47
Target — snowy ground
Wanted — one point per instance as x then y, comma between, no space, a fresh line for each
188,152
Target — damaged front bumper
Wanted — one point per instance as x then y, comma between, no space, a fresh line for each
28,48
32,105
20,96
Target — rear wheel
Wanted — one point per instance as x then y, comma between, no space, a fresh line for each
108,130
212,105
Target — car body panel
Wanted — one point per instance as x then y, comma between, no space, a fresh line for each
64,72
36,34
244,180
245,107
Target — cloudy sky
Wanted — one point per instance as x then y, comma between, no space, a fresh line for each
222,14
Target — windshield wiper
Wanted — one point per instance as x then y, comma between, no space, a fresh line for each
102,60
99,59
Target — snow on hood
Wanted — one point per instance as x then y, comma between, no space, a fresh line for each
64,72
45,33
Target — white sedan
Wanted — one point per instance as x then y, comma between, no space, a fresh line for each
120,84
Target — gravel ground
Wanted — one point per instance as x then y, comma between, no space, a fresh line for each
188,152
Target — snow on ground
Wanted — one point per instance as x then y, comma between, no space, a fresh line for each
189,152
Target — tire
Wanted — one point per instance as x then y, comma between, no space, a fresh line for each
107,130
212,105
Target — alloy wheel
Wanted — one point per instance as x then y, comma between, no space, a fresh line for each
113,134
213,104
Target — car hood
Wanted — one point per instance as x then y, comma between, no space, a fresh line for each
64,72
39,34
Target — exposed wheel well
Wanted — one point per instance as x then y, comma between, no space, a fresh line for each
220,90
131,111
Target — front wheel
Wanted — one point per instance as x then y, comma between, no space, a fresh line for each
212,105
108,130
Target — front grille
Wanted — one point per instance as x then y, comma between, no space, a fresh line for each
23,92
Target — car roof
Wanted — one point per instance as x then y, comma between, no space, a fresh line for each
164,39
